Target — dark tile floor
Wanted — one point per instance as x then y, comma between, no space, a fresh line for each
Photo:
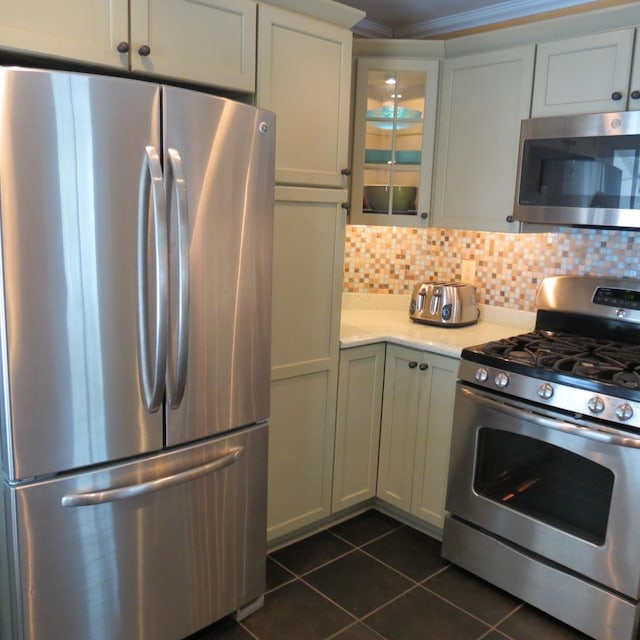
373,578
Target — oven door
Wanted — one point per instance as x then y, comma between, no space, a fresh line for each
566,490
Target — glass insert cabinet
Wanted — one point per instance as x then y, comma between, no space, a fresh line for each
393,141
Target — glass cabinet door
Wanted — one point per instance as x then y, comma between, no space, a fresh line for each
394,129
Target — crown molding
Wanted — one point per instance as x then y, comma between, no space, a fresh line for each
501,12
369,29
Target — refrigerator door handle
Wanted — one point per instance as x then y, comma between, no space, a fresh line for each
124,493
177,367
152,367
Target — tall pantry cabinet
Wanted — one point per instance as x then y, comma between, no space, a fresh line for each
304,76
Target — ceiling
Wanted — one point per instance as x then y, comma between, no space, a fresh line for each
425,18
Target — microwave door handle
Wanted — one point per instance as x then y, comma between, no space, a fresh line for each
92,498
601,434
152,366
177,373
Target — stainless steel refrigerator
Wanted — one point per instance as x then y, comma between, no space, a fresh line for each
135,305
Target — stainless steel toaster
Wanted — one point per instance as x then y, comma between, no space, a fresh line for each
447,304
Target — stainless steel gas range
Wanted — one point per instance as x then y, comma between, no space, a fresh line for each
544,483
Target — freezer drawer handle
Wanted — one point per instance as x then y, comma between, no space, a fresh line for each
177,367
152,371
134,490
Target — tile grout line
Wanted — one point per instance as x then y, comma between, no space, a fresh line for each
359,546
472,615
356,618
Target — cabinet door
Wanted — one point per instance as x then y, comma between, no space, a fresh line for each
588,74
209,41
304,76
398,429
483,99
355,468
434,439
75,29
309,231
393,141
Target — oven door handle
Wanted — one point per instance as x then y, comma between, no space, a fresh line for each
602,434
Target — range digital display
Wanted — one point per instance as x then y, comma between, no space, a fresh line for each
621,298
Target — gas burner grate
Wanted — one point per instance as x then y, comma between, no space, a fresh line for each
600,360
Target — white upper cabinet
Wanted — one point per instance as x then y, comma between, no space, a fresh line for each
304,76
206,41
393,141
484,97
588,74
87,30
211,42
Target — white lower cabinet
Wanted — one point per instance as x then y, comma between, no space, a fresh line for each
417,416
360,380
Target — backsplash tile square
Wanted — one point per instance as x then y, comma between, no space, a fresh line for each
509,266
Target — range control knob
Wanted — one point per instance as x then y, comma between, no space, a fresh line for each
545,391
481,374
501,380
624,411
596,405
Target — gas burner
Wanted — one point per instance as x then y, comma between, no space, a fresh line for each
522,356
629,379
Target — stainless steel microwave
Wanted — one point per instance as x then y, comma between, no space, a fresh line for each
581,170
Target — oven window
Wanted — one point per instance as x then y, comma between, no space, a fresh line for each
545,482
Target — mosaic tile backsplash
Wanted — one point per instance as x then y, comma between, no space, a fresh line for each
509,266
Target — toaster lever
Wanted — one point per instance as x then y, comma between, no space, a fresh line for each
434,304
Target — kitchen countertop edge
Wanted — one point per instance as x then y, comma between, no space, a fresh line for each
360,327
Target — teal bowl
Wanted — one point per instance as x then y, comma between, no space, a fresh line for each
408,157
377,156
400,112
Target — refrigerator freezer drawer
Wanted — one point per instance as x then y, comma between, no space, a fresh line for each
154,549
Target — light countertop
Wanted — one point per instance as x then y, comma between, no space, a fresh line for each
371,318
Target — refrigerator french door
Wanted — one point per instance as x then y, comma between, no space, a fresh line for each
136,226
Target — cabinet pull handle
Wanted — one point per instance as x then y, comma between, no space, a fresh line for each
413,364
123,47
144,50
616,95
345,205
424,215
346,172
635,94
510,219
424,366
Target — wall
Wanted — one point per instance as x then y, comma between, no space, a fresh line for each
509,266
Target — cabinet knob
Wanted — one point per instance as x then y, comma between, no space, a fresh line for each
424,215
144,50
616,95
424,366
346,205
346,172
635,94
413,364
123,47
510,219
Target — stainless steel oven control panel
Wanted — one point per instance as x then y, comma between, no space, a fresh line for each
618,411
